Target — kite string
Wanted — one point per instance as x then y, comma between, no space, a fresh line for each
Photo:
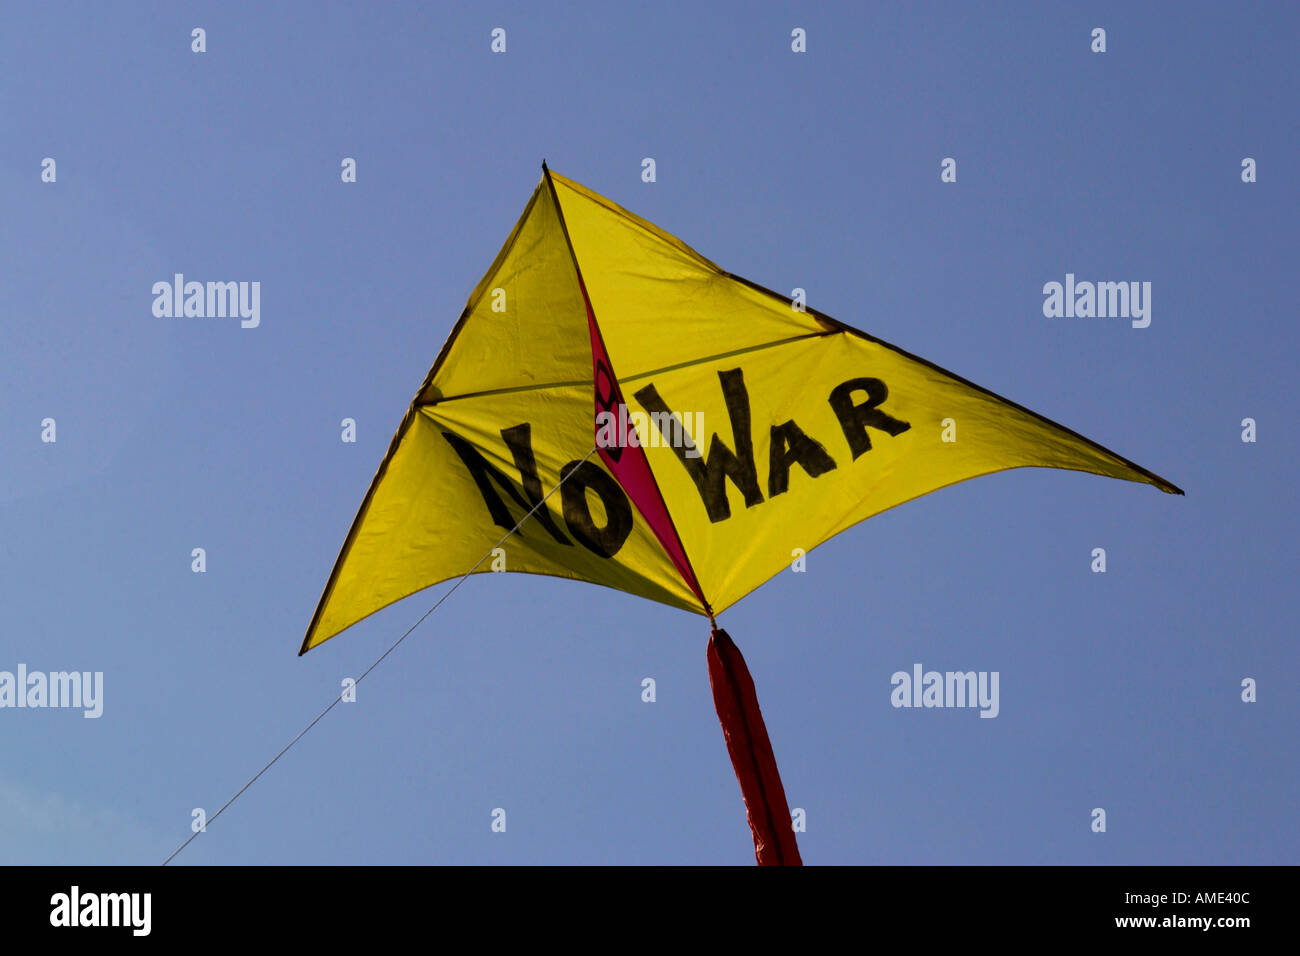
381,657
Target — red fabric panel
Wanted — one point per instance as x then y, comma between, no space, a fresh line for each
627,462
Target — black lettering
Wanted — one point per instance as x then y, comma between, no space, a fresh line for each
606,393
856,419
790,445
710,473
484,473
577,477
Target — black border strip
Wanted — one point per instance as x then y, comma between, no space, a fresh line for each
1162,483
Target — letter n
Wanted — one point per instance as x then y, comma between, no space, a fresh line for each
484,473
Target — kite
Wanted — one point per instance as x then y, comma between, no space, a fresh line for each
629,414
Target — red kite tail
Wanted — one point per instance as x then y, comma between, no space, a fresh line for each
751,754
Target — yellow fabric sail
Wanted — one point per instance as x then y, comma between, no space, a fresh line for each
765,428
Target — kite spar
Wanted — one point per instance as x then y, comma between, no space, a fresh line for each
732,427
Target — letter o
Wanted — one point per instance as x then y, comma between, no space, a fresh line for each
577,477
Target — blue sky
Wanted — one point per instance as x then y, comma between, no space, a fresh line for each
818,170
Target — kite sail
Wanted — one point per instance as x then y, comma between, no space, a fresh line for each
698,427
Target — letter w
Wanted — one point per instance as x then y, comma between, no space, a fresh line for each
710,474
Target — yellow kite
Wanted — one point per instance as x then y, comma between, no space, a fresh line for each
623,411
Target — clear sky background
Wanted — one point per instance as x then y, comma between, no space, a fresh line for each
1119,690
